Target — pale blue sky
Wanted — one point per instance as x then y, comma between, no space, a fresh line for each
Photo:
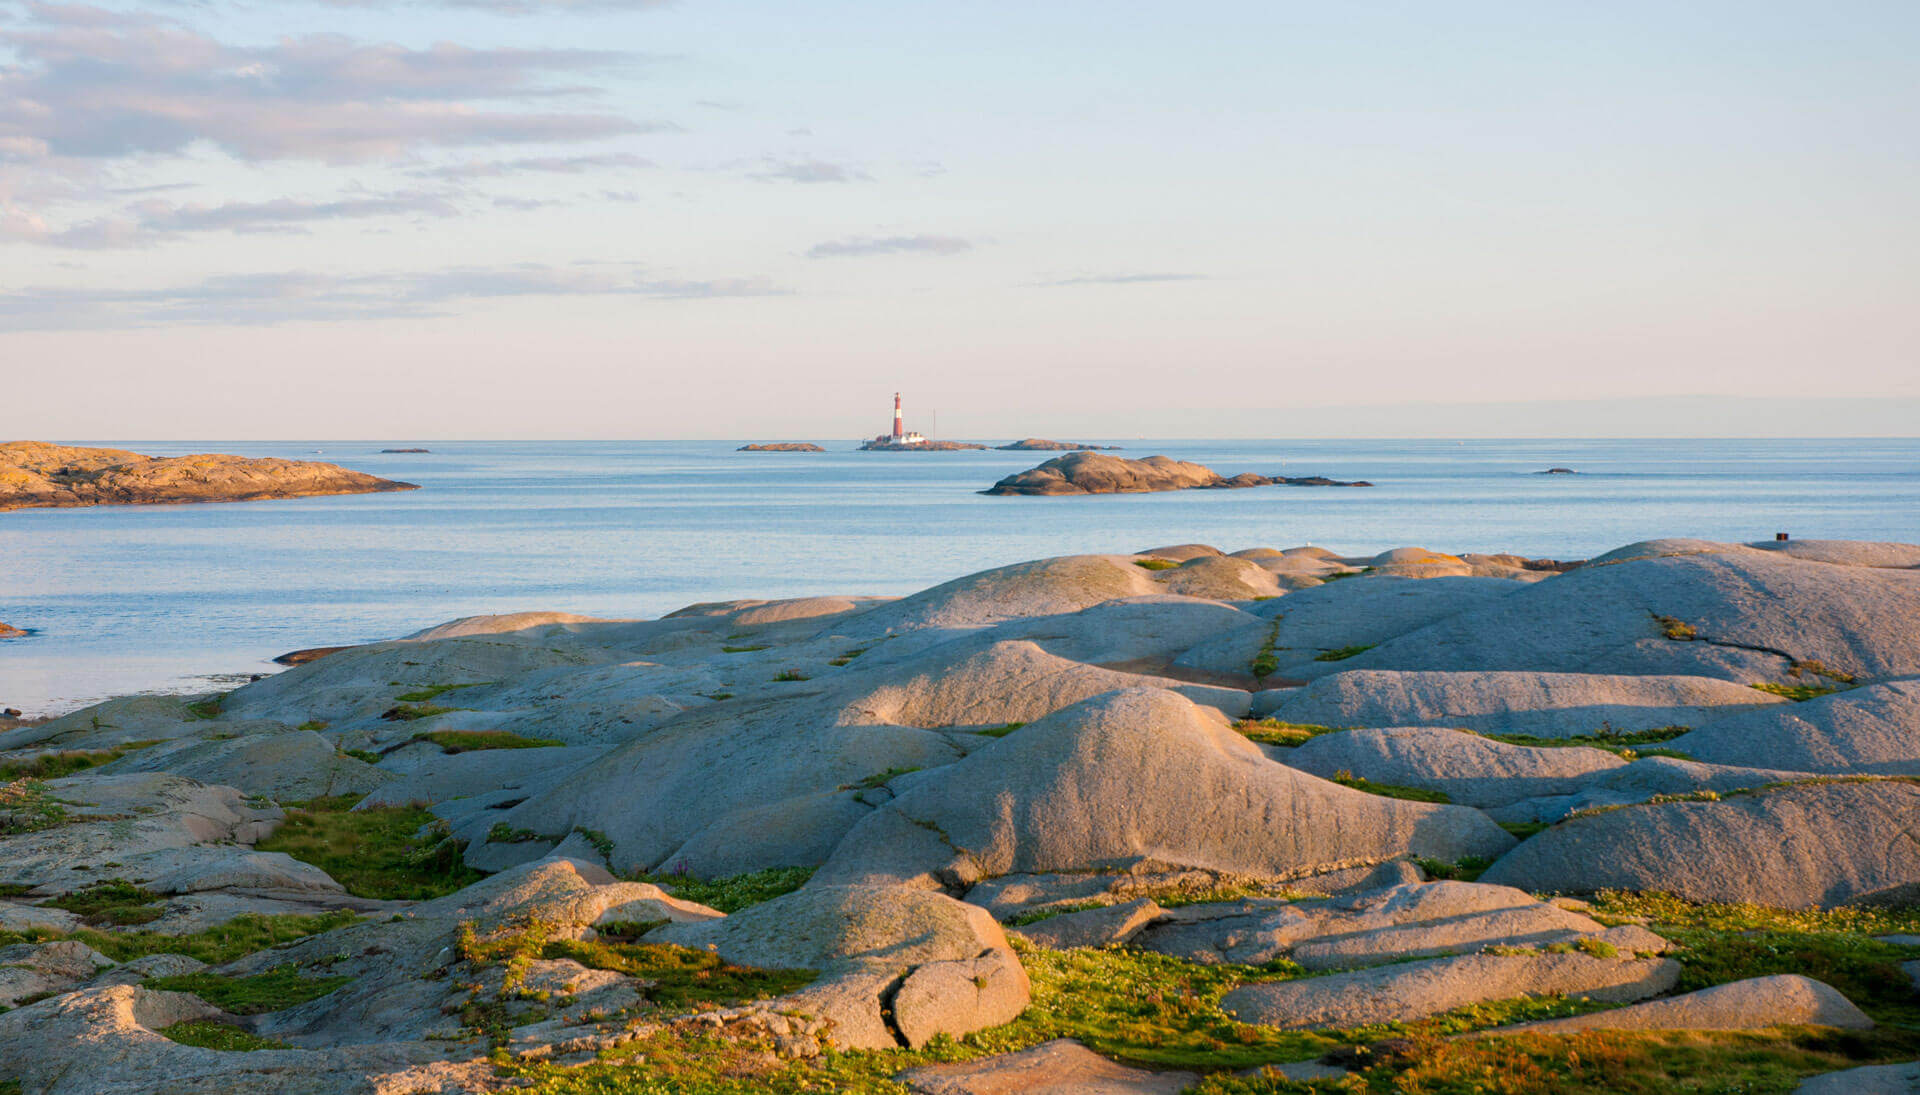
616,218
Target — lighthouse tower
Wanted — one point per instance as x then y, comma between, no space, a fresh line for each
899,421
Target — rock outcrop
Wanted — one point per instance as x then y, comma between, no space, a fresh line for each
1038,444
34,473
782,446
1092,473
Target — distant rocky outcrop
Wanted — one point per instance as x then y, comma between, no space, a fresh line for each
8,631
1093,473
919,446
1038,444
406,450
782,446
34,473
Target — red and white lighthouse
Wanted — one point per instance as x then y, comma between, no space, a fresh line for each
899,420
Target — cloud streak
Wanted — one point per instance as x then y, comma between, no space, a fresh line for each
1119,279
810,171
294,296
552,165
85,82
146,223
864,246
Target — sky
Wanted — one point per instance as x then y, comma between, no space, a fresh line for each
744,219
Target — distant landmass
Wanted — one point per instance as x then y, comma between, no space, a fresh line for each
882,444
782,446
406,450
35,473
1094,473
1037,444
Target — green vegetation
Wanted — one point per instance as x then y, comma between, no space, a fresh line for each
435,691
27,807
410,712
742,649
1343,653
315,725
736,892
242,935
1000,731
66,763
1819,669
503,833
1155,564
1277,732
1466,869
1676,629
464,741
387,852
111,901
365,756
1796,692
1525,829
271,991
1266,661
1388,790
208,1034
1613,741
846,658
681,978
1339,574
718,696
878,779
208,708
790,675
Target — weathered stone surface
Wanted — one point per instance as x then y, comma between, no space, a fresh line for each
1092,473
1093,927
1414,990
1059,1067
34,473
1781,1000
1551,705
34,969
105,725
1045,587
1871,1080
1370,610
1872,730
291,766
145,824
1806,846
1467,768
1140,773
1218,578
1641,781
960,996
441,776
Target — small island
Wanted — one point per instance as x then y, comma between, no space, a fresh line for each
882,444
405,450
1093,473
782,446
1039,444
35,473
8,631
1558,471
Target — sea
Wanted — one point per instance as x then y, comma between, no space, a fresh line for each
192,598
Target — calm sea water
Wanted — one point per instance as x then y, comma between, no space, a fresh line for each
125,599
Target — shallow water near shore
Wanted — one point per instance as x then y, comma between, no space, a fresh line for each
170,598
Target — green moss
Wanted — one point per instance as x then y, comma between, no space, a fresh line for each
790,675
365,756
1525,829
208,1034
274,990
1797,692
1819,669
743,649
466,741
221,943
1343,653
1466,869
208,708
1155,564
387,852
1389,790
111,901
315,725
503,833
1000,731
1676,629
1613,741
435,691
410,712
878,779
1278,732
27,807
1266,661
681,977
735,892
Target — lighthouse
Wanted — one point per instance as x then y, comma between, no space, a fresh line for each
899,420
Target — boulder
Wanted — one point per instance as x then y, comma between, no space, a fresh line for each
1059,1067
36,969
1467,768
1414,990
1093,927
1046,587
1548,705
1142,773
1810,845
1786,999
1873,730
1097,473
1219,578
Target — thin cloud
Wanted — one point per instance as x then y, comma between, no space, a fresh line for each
297,296
1120,279
554,165
86,82
146,223
810,171
511,7
862,246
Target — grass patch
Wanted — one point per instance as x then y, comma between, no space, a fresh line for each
365,756
1613,741
208,1034
27,807
1278,732
111,901
790,675
681,977
1000,731
1343,653
1266,661
1155,564
240,936
1525,829
315,725
387,852
878,779
1674,628
1799,693
1466,869
846,657
466,741
1388,790
206,709
271,991
736,892
435,691
1819,669
410,712
67,762
744,649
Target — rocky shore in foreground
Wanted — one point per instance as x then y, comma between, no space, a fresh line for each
34,474
1158,821
1092,473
